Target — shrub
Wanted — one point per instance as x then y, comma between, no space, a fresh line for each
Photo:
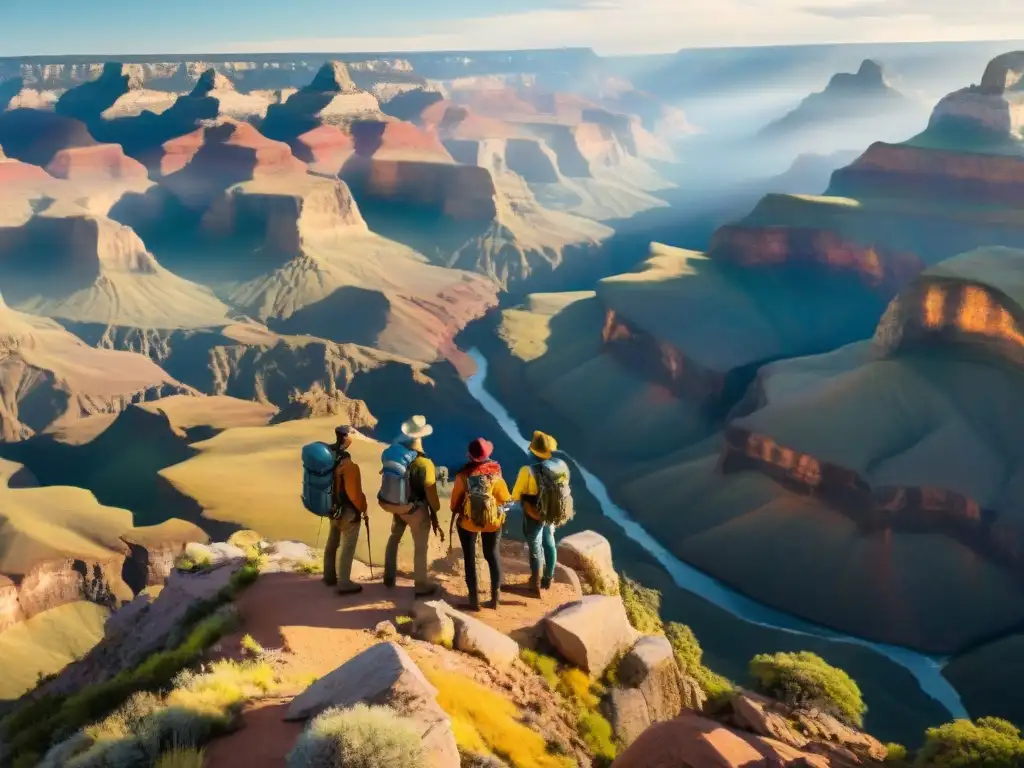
545,666
986,743
251,647
575,685
896,755
485,722
643,606
597,734
689,657
310,567
594,581
360,737
181,757
805,680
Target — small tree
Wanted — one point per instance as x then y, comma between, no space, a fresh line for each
986,743
806,680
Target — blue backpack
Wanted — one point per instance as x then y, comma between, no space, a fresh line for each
318,463
394,476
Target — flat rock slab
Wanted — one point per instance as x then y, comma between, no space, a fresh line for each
474,637
591,633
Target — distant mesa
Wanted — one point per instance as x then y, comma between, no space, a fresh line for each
988,117
35,137
15,173
330,99
199,166
864,95
118,92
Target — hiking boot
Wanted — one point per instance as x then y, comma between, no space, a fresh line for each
330,582
389,583
350,589
545,584
472,606
534,588
494,602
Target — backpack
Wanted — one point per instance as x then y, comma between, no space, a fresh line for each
395,490
554,496
479,506
318,464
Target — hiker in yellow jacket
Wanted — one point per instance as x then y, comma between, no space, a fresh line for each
543,490
478,505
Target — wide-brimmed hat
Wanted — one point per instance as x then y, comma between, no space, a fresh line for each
543,445
480,450
417,427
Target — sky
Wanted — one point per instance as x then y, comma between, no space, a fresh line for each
611,27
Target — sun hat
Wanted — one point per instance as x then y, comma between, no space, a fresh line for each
543,445
480,450
416,427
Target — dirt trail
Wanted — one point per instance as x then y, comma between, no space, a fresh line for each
320,630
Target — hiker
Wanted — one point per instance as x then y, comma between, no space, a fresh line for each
409,492
543,490
349,506
478,505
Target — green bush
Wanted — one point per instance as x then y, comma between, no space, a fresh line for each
597,734
986,743
643,606
31,729
689,657
545,666
806,680
360,737
896,755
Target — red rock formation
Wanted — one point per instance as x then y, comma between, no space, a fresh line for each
940,308
199,166
99,162
378,138
659,362
325,148
34,136
878,266
933,174
13,172
913,509
451,121
461,192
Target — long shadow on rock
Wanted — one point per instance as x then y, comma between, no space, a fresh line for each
349,315
34,136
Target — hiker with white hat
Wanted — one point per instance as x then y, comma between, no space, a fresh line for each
409,492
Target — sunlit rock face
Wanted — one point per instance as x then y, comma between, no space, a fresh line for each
995,107
904,171
956,304
877,266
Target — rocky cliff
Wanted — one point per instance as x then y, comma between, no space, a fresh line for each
995,107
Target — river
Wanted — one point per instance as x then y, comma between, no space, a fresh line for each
927,670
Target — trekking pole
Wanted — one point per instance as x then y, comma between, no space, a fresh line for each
318,529
369,549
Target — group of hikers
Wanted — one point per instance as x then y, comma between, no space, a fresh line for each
480,504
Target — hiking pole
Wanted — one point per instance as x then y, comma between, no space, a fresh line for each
369,549
319,528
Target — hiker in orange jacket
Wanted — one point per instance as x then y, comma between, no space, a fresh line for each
350,506
478,505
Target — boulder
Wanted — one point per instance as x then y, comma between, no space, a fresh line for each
470,635
213,555
821,726
287,556
591,633
692,741
432,624
590,555
155,549
384,675
755,715
628,713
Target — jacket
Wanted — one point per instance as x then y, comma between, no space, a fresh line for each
348,485
423,482
499,490
526,490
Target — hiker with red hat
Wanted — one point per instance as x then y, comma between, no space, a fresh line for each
478,505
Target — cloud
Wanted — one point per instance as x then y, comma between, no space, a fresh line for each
661,26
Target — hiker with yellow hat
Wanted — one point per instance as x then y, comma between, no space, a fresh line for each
543,490
409,492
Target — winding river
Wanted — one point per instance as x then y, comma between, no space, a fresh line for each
926,669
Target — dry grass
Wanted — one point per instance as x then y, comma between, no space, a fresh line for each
485,722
